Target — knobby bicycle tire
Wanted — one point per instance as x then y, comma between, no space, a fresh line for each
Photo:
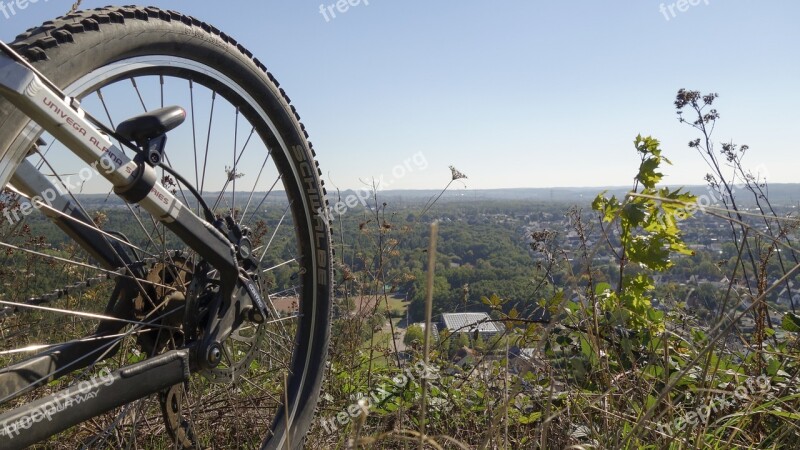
87,50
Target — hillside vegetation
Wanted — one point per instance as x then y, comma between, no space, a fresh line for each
654,319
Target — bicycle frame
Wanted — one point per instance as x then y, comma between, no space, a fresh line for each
45,417
61,116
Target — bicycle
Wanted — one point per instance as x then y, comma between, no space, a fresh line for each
201,326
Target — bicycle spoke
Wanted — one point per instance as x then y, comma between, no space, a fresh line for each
80,264
235,170
252,191
263,254
233,178
138,94
68,218
270,269
99,94
208,141
265,197
39,348
82,314
177,182
194,138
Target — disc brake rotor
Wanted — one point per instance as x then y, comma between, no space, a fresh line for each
177,288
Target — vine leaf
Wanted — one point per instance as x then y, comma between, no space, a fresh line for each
791,322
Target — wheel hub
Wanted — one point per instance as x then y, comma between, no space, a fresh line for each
236,352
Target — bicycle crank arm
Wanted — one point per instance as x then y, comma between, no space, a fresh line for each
45,417
61,116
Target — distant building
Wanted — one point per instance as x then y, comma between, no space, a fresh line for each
521,360
434,330
470,322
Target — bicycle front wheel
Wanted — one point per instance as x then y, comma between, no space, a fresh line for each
244,149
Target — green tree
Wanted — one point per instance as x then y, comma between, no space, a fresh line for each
414,334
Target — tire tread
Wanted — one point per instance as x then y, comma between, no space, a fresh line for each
35,42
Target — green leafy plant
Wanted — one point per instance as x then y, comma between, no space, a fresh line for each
648,235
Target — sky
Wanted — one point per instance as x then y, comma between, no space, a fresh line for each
515,93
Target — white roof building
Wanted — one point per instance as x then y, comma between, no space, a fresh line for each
469,322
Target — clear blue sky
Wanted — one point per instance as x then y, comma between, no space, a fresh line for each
516,93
